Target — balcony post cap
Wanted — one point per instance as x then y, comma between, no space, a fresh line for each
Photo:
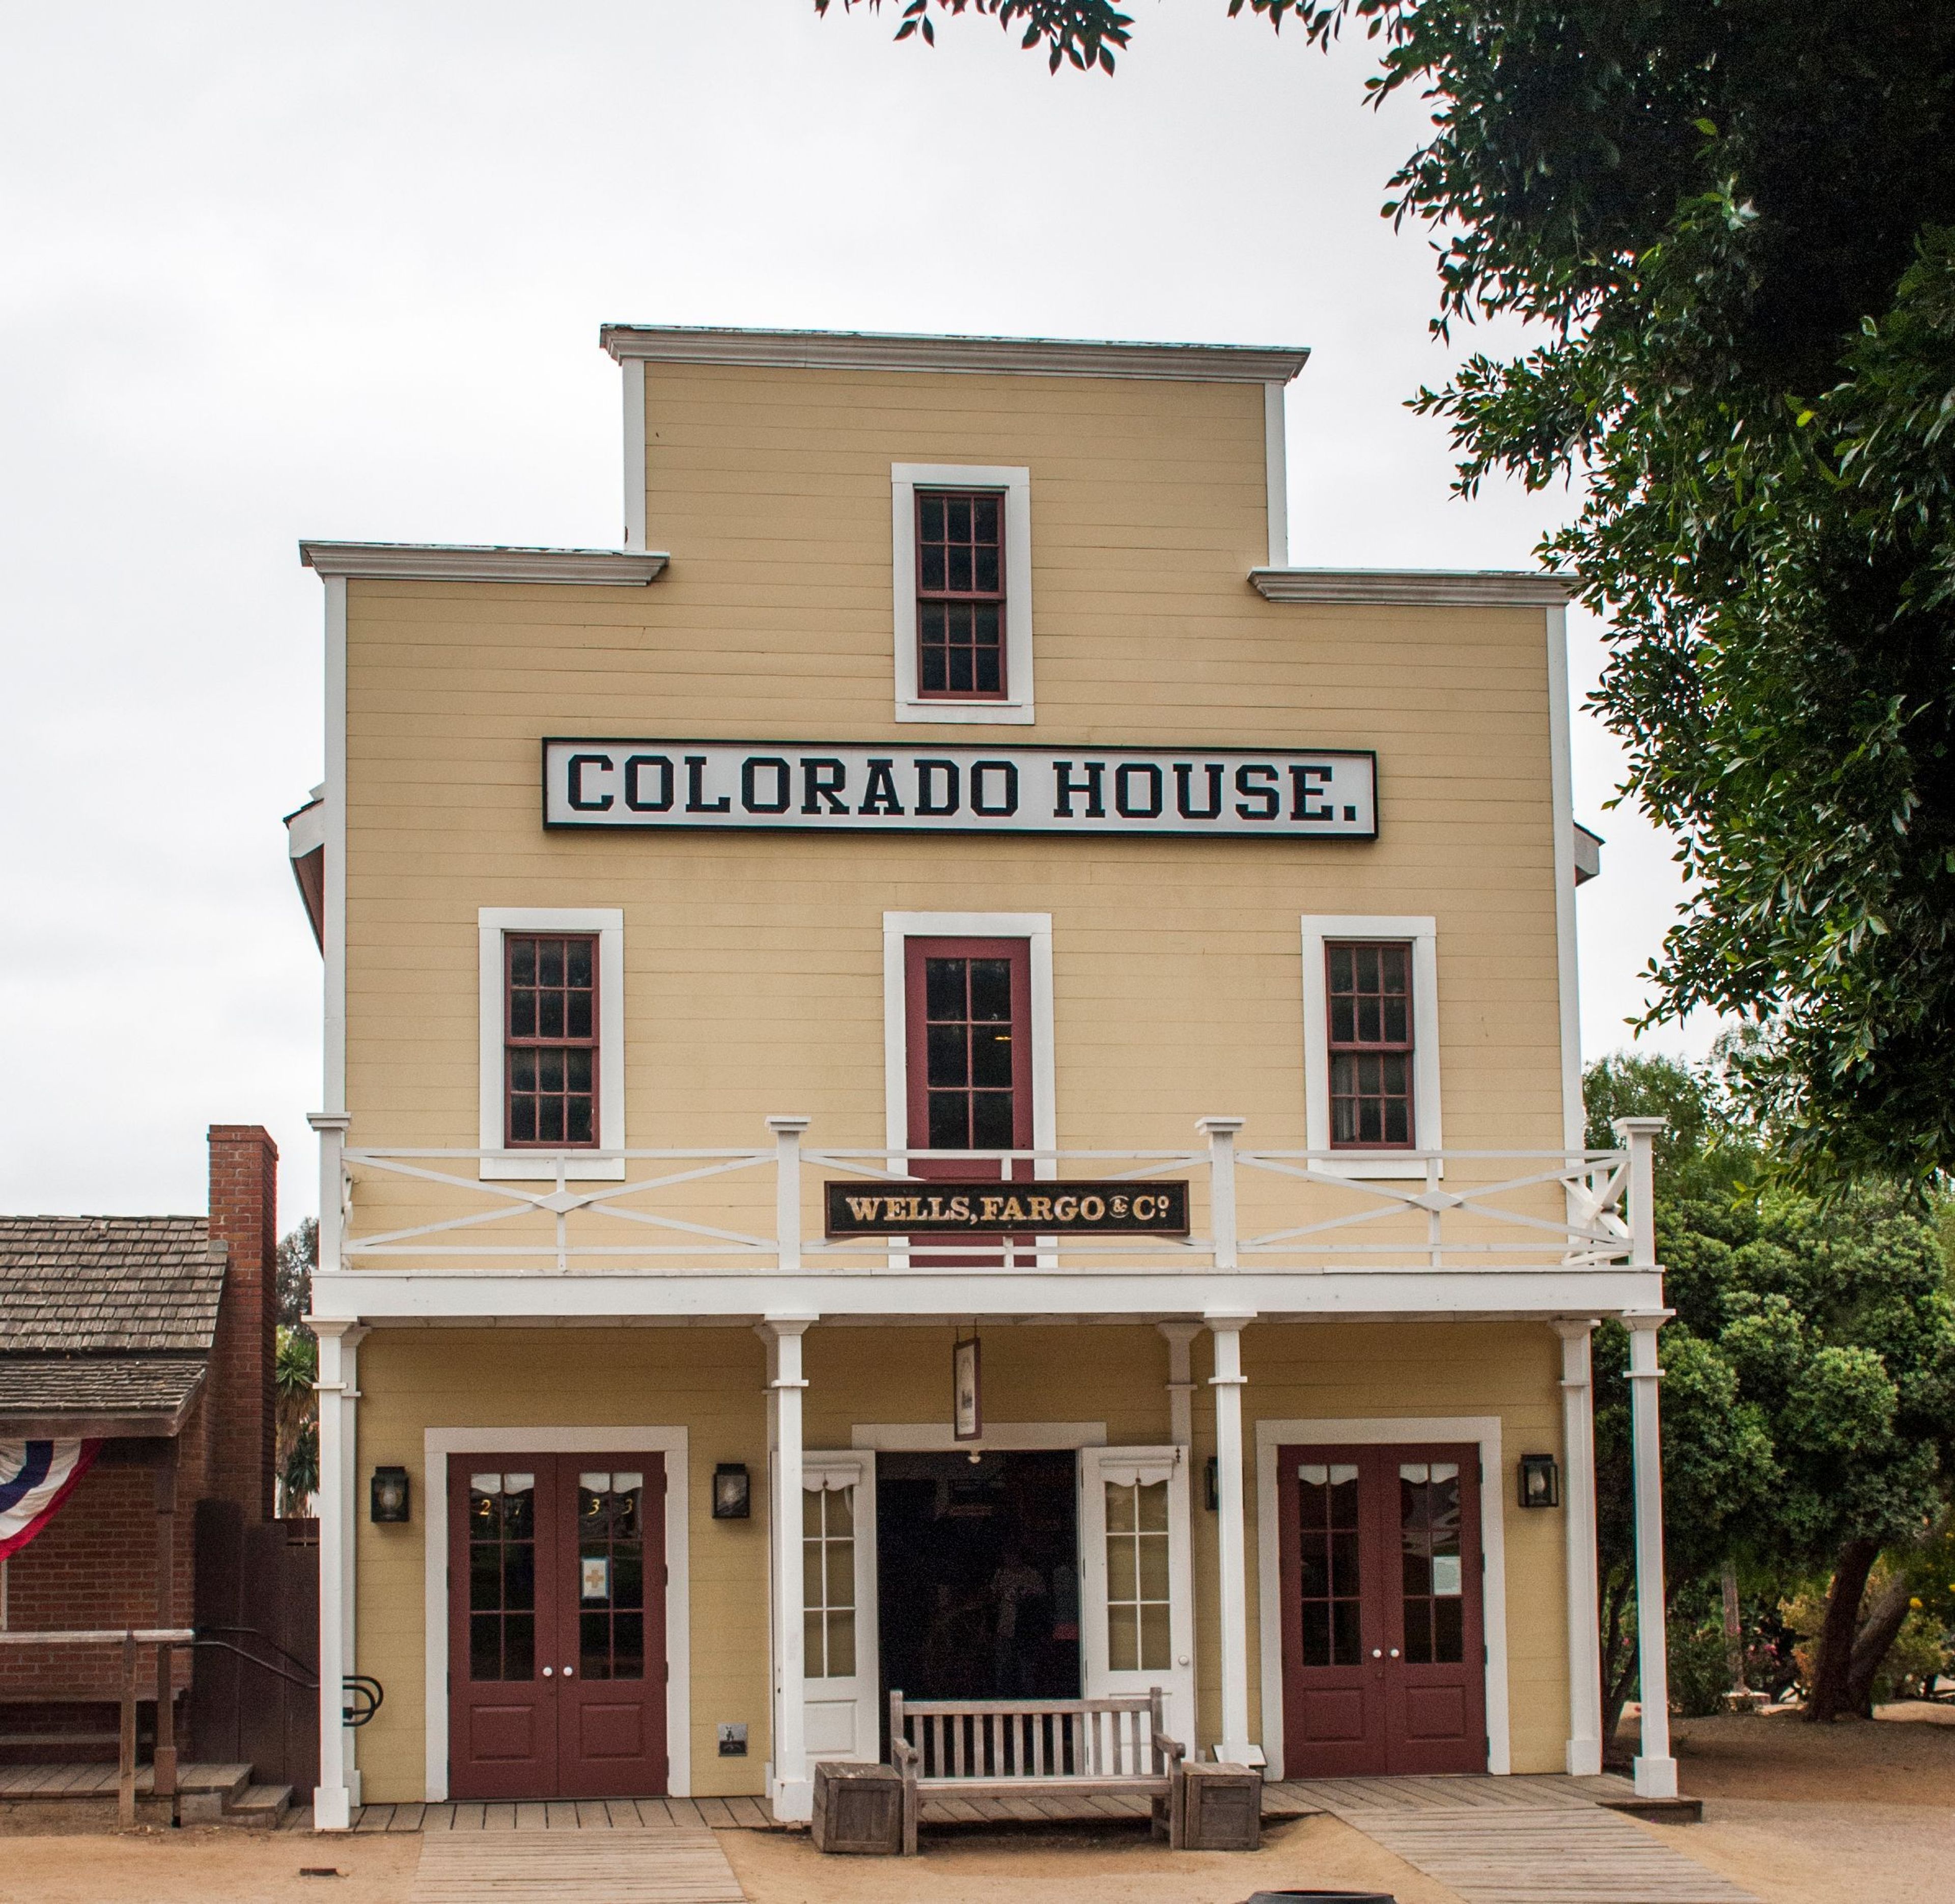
1639,1127
1217,1127
782,1126
325,1120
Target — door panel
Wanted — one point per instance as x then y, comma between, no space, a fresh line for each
1384,1665
556,1625
839,1648
611,1695
502,1512
1137,1617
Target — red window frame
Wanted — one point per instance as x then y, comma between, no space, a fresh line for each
1363,1094
936,597
1016,953
537,1045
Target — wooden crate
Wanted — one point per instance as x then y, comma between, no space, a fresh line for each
1221,1807
858,1810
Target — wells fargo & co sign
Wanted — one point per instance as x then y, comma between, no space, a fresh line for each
1009,1209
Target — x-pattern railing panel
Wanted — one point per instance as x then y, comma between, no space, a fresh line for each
1311,1215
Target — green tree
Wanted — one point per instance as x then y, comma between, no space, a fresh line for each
1809,1402
295,1368
1730,222
298,1257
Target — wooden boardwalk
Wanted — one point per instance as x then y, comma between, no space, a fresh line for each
1280,1802
1522,1840
665,1864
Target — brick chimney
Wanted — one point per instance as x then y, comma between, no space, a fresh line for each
245,1217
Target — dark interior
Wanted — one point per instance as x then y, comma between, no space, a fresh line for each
978,1571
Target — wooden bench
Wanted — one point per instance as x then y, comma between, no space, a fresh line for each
1007,1749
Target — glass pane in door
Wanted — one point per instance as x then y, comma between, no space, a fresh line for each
828,1582
1329,1582
501,1576
1431,1562
1138,1623
611,1574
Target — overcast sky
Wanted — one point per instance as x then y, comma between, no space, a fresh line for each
289,268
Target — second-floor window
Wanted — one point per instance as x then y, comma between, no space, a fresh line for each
1368,991
550,1022
960,547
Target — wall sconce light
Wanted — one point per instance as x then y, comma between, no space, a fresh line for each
1211,1474
733,1492
387,1497
1540,1481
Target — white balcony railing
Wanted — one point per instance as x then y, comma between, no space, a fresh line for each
702,1211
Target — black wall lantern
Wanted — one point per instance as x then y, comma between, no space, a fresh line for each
1540,1481
733,1492
1211,1473
387,1499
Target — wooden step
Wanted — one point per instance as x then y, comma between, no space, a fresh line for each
205,1793
260,1807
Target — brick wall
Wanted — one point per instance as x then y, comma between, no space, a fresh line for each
94,1565
244,1216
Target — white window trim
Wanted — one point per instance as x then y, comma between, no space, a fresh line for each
906,479
608,923
898,927
437,1444
1387,1432
1422,934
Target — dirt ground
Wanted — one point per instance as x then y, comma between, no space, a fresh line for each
1064,1867
215,1865
1795,1813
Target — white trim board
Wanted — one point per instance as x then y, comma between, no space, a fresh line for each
333,838
608,923
1567,968
935,1438
437,1444
820,350
1034,927
635,471
482,562
1276,475
1422,933
1015,484
1385,1431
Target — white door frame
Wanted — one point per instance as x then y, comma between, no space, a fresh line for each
437,1444
1098,1466
1483,1430
820,1470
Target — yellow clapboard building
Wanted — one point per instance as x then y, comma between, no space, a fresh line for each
944,1076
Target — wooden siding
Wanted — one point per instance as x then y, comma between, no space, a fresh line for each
709,1381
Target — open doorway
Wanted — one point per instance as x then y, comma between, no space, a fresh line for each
977,1564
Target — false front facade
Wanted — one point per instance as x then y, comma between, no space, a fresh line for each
944,1075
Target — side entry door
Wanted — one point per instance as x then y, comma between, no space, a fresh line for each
1137,1613
839,1613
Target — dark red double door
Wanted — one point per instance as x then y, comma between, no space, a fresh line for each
1384,1666
556,1626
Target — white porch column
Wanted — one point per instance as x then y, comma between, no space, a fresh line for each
1232,1571
1656,1770
1584,1643
790,1790
333,1801
1180,1381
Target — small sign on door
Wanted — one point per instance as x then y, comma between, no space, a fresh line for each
597,1579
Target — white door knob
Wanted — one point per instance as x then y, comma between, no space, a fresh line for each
1395,1652
548,1671
569,1670
1375,1654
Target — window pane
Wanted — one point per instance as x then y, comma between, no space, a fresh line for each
991,1120
1153,1502
991,989
841,1645
944,980
991,1058
948,1051
1123,1639
485,1646
949,1121
1154,1642
813,1624
519,1646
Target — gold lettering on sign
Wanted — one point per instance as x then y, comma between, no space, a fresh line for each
1091,1209
1065,1209
863,1209
1041,1207
988,1208
960,1209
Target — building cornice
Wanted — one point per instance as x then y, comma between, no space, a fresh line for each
457,562
1414,588
849,350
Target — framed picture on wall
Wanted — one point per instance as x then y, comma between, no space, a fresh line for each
967,1400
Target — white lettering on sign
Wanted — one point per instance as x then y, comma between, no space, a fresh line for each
1243,793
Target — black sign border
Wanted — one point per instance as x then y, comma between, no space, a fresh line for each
1057,832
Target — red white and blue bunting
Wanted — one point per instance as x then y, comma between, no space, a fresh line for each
35,1477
